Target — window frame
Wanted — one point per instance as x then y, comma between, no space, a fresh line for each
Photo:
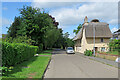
102,40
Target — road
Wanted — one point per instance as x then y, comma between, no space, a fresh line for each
64,65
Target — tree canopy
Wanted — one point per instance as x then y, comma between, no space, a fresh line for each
36,27
78,29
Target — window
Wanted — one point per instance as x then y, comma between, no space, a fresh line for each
102,49
101,39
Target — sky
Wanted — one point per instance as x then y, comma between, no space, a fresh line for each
68,14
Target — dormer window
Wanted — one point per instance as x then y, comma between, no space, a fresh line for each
101,39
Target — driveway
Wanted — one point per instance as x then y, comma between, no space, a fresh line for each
64,65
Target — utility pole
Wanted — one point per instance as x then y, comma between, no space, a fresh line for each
94,38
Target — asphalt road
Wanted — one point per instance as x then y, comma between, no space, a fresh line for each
64,65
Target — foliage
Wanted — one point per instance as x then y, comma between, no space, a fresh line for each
51,37
5,70
60,41
37,25
88,53
35,65
68,42
15,53
78,29
114,45
113,52
20,39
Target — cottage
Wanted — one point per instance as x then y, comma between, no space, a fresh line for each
94,33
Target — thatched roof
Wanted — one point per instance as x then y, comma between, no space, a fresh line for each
101,30
79,34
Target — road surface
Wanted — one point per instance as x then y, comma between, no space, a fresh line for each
64,65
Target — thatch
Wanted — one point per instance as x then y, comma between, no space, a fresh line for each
101,30
79,34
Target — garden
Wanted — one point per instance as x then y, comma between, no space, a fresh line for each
112,54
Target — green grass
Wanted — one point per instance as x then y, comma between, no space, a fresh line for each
113,52
45,54
34,68
47,51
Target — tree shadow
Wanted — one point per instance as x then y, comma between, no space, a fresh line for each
58,51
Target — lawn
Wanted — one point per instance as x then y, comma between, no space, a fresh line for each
45,54
113,52
34,68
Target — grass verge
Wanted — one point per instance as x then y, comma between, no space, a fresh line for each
47,51
34,68
45,54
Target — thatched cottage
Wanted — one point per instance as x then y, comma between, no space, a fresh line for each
93,32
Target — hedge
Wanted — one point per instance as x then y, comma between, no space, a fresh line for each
15,53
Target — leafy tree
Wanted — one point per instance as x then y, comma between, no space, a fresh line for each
36,25
37,28
51,37
78,29
60,41
16,25
114,45
68,42
66,35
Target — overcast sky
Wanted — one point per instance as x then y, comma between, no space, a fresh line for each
68,14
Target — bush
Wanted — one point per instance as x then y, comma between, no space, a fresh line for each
114,45
88,53
15,53
40,47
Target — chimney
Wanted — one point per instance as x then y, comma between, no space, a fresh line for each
86,19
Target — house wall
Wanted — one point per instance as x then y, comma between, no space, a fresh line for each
98,44
88,44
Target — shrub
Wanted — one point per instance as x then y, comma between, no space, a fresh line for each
15,53
88,53
40,47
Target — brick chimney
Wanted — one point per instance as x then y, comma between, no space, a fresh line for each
86,19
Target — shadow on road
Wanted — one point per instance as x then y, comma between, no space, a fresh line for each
58,51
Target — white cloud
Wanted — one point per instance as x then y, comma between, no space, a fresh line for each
113,21
106,12
45,4
114,29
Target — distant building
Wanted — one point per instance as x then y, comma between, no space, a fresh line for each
85,37
116,35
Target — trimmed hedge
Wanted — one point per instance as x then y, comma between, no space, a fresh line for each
15,53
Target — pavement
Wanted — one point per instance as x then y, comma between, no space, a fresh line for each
64,65
104,61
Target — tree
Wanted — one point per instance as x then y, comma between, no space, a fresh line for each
51,37
78,29
114,45
68,42
39,26
66,35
